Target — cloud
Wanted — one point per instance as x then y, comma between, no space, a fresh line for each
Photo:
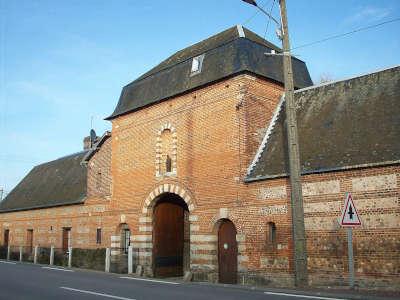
369,14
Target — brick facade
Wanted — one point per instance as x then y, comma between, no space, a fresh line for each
214,133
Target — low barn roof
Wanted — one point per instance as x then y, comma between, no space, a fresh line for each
341,125
59,182
233,51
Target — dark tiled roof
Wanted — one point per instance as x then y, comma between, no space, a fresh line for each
226,54
342,125
55,183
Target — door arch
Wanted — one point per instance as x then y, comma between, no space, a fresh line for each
170,236
227,252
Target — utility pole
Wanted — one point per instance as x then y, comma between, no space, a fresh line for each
299,237
298,229
1,194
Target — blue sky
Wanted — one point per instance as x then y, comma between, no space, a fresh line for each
62,62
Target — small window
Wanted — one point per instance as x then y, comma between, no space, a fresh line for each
168,164
98,236
197,64
271,234
98,179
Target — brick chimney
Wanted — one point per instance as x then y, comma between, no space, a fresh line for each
87,143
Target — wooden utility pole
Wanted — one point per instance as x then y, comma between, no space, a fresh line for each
299,238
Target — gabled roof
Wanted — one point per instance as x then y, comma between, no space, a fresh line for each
55,183
231,52
342,125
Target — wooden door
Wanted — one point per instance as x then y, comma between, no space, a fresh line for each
227,252
6,237
29,239
66,238
168,240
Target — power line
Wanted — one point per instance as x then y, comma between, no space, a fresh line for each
269,19
256,13
346,33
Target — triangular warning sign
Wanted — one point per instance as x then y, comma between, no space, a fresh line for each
349,215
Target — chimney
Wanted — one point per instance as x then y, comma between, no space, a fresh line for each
87,143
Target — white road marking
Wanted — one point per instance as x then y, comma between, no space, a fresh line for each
94,293
151,280
58,269
8,262
303,296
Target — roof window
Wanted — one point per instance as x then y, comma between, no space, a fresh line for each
197,64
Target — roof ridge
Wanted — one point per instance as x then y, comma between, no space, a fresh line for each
240,31
140,78
346,79
62,157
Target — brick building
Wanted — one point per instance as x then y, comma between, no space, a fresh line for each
194,173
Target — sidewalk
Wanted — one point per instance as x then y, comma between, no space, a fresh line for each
334,293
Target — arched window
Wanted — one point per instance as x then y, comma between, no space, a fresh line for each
166,151
271,234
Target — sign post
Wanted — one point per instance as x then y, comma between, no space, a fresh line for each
350,219
350,253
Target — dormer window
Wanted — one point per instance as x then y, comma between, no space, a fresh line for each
197,64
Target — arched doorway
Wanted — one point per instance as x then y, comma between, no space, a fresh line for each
227,252
171,239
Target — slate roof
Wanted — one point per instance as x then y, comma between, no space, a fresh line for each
231,52
342,125
59,182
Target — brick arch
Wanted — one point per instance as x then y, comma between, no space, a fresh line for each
166,126
167,188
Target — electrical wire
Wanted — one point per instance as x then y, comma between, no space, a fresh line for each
346,33
269,19
256,13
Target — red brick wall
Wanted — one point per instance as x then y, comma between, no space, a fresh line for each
99,181
375,193
215,132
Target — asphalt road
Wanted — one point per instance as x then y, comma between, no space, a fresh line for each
27,281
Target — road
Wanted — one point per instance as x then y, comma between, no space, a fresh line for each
27,281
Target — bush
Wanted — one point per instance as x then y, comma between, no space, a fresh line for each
43,256
60,258
93,259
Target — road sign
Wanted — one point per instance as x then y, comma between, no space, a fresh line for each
350,219
350,216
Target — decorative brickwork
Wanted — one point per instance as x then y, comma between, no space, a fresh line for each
220,128
166,148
